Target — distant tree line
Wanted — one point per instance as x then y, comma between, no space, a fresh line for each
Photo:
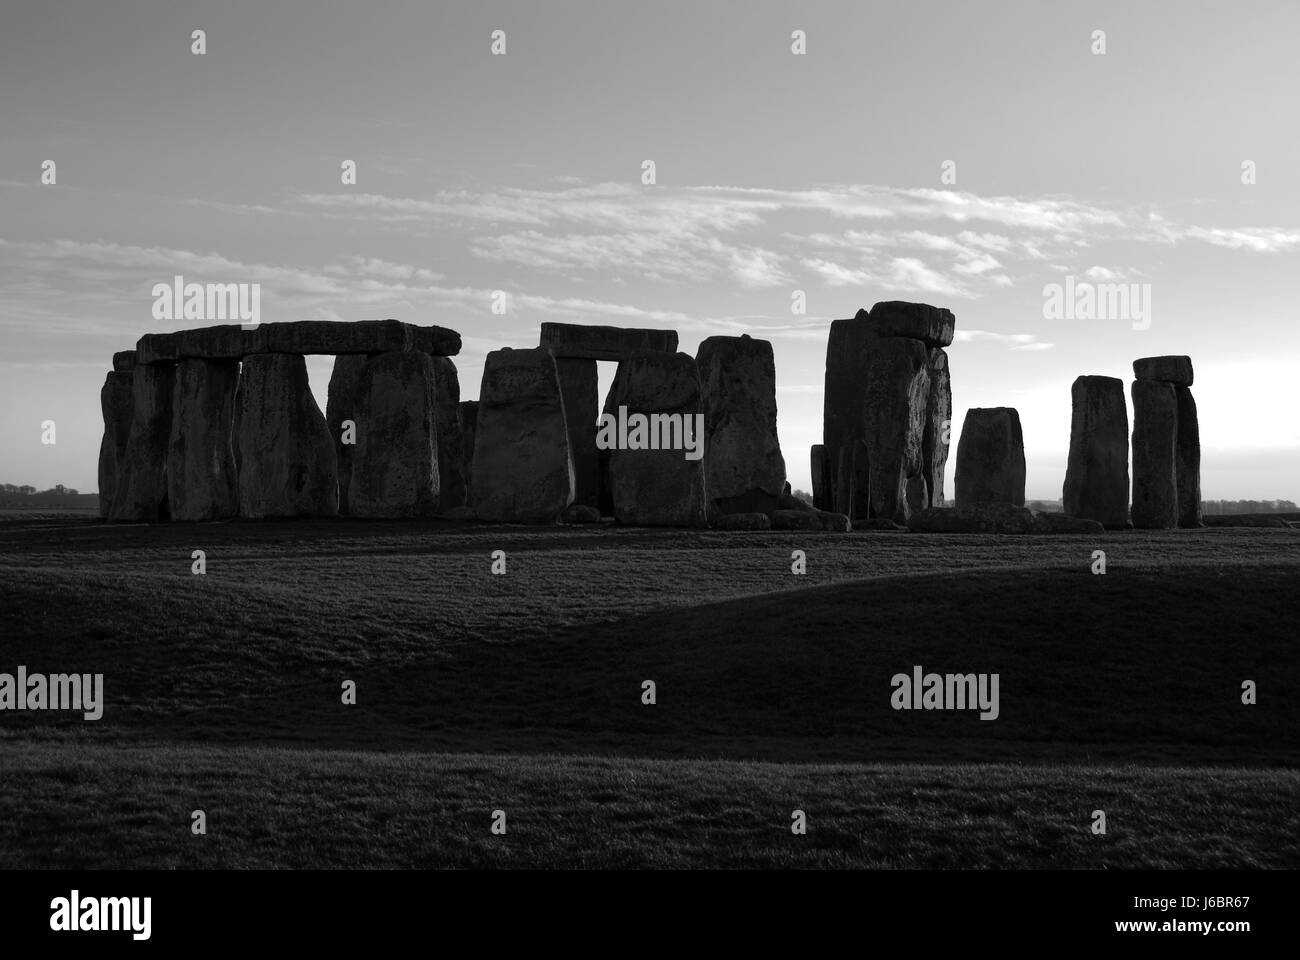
1214,507
26,491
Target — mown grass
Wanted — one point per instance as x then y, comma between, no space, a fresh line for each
105,807
523,692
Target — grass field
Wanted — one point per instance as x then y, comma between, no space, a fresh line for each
523,692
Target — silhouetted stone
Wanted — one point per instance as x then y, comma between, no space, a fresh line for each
467,413
341,408
938,417
227,341
523,470
124,361
585,342
918,321
1188,460
810,520
581,391
743,465
287,464
991,458
880,523
788,501
141,492
1096,479
579,513
1155,450
395,460
233,342
821,480
1049,522
453,487
115,401
1173,369
877,391
658,487
202,481
984,516
742,521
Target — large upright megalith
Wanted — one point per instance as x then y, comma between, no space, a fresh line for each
1175,372
581,391
744,468
938,423
453,490
467,416
523,470
341,418
115,401
990,458
395,460
1188,459
141,492
1096,477
287,463
653,410
1155,455
202,481
821,482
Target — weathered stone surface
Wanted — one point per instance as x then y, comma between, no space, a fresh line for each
453,488
978,517
1096,478
467,414
1188,460
1155,451
1173,369
340,409
938,420
395,460
233,342
991,458
115,401
658,487
287,464
141,492
523,470
810,520
742,521
202,480
821,480
918,321
580,513
586,342
124,361
458,513
788,501
744,468
877,390
581,391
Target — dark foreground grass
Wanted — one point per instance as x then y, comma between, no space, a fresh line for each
81,807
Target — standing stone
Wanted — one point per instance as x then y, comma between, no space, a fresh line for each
453,489
467,416
821,482
341,407
657,487
1188,460
1155,455
202,480
287,464
877,390
523,469
991,458
1175,369
115,401
581,391
1096,479
395,460
141,492
938,421
744,469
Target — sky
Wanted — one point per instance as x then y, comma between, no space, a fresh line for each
963,155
